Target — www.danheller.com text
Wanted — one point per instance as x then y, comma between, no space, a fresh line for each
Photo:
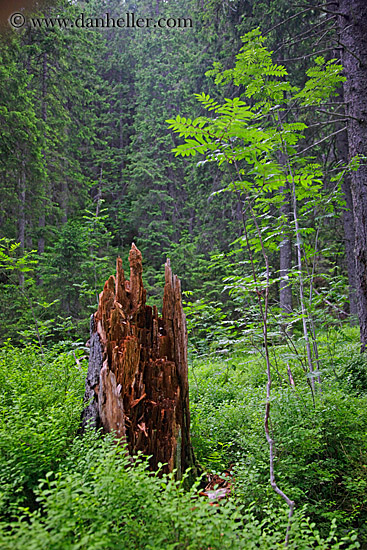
128,20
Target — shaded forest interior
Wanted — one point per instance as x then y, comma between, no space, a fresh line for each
228,136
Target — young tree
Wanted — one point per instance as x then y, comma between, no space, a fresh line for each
250,136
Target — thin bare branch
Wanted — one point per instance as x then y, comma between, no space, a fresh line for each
336,114
309,8
321,7
333,12
344,47
303,36
319,39
338,309
306,56
321,141
323,123
286,20
299,251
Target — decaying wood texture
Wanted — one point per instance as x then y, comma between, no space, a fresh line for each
137,381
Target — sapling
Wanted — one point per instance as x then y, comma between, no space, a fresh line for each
247,134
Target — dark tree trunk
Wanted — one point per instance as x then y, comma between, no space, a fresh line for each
353,35
285,258
42,218
137,378
348,222
285,250
22,215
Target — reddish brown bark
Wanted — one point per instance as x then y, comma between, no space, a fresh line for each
137,381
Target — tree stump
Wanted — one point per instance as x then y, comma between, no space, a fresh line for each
137,382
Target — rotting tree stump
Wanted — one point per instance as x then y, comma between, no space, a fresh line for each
137,382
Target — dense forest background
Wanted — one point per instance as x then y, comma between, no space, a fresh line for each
87,166
260,207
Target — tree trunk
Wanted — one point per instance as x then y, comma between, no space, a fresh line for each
348,222
137,380
354,39
285,258
42,218
285,252
22,215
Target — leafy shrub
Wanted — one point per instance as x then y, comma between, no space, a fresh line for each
354,373
101,500
321,447
40,405
92,496
207,326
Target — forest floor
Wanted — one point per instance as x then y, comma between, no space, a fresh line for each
60,491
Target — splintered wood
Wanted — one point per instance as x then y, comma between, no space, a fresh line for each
137,381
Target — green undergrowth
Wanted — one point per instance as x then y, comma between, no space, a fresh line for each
98,499
320,439
63,491
40,406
